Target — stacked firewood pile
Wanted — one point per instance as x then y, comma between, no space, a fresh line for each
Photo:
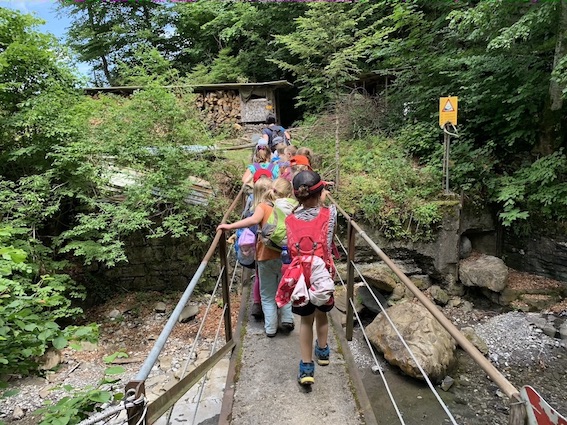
220,107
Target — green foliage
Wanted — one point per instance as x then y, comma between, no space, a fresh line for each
80,404
421,140
539,190
382,186
140,141
108,36
81,175
146,67
31,305
29,60
322,46
231,41
224,67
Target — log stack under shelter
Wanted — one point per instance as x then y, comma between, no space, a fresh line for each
221,107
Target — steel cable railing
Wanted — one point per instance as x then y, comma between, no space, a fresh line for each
204,379
137,412
163,403
406,346
197,339
517,405
373,354
213,347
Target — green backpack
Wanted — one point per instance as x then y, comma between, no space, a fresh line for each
273,233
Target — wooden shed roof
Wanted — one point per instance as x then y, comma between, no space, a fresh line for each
196,87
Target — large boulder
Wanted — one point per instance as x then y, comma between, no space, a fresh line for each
368,296
484,271
431,344
376,274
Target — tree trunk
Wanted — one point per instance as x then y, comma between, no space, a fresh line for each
105,69
337,147
103,60
552,131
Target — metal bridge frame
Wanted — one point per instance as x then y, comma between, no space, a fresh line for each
135,388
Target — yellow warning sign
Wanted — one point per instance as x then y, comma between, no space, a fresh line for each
448,110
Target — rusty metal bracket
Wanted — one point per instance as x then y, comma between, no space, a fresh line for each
135,390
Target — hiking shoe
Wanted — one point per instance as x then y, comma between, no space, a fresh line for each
287,327
270,335
306,372
256,311
322,354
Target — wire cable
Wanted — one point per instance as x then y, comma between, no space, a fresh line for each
201,326
425,376
377,363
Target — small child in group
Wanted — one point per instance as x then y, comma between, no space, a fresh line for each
260,160
288,152
277,156
310,231
307,152
297,163
268,260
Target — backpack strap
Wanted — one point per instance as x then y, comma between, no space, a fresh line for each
271,167
257,166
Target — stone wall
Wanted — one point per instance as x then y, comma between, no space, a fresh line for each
540,255
156,264
170,263
479,226
438,259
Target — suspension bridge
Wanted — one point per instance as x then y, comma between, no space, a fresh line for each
261,385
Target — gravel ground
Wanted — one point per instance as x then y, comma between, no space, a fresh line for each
134,333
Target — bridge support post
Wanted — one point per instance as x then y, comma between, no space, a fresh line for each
225,288
350,282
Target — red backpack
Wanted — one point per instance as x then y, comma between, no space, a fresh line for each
310,237
305,240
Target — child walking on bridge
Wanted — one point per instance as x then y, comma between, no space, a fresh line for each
268,260
310,231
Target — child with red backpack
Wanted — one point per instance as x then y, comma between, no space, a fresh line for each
261,160
310,231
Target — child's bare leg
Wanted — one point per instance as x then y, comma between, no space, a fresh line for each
322,327
306,338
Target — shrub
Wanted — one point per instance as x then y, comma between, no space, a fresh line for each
32,304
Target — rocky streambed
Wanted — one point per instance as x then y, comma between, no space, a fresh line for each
525,347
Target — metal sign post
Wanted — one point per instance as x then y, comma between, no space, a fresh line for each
446,146
447,119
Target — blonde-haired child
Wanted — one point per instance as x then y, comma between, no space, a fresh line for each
268,260
281,188
306,152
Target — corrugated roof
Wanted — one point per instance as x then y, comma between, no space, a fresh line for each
121,177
